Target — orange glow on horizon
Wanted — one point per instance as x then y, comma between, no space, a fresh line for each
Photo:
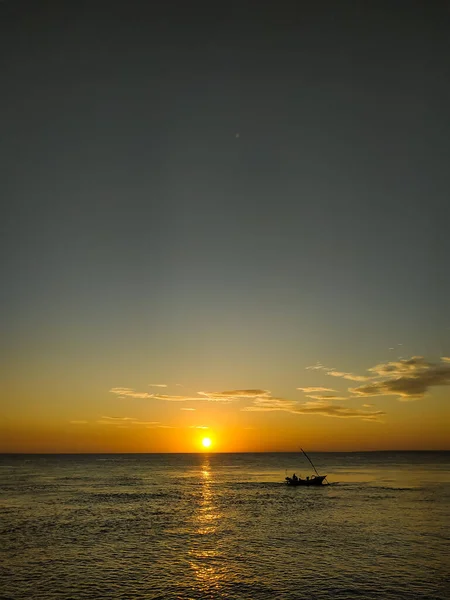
229,430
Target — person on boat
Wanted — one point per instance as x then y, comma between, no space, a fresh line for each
294,477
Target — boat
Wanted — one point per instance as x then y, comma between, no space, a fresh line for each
313,480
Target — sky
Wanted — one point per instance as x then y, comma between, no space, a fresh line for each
224,219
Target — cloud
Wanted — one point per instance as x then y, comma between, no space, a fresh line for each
325,397
238,393
169,398
163,385
198,427
318,408
226,396
124,421
332,371
230,395
316,389
115,419
271,404
188,408
400,367
123,392
409,379
350,376
331,410
318,367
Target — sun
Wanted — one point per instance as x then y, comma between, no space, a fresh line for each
206,442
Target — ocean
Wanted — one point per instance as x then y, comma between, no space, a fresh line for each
224,526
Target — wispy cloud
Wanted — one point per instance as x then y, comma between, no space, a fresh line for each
342,412
326,397
116,419
198,427
226,396
170,398
188,408
315,389
160,385
350,376
317,408
123,392
409,379
401,367
235,394
406,378
319,367
334,373
271,404
125,421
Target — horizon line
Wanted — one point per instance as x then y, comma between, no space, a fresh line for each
202,453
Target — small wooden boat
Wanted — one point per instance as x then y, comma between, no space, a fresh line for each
314,480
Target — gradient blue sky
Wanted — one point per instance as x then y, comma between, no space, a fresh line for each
220,195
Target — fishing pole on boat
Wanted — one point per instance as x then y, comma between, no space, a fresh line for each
312,464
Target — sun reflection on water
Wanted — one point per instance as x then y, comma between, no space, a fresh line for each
207,513
205,556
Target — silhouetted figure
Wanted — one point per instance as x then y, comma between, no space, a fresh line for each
294,477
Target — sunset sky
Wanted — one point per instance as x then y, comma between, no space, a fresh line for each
226,220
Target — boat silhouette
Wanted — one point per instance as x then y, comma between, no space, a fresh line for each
313,480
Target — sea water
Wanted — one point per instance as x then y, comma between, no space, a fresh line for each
224,526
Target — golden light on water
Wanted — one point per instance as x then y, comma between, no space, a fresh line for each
206,559
206,442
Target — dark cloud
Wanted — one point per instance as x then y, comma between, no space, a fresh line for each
409,379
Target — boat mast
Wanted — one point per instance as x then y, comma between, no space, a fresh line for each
310,462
